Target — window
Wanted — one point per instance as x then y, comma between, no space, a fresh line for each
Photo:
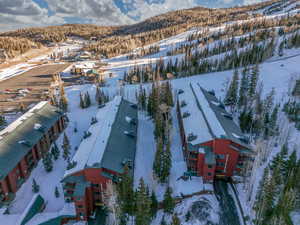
220,164
209,174
80,206
220,156
210,166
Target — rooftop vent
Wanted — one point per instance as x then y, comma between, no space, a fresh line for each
228,116
221,105
183,103
192,137
244,139
94,120
127,162
101,106
130,120
86,134
39,127
24,142
212,92
129,133
186,114
133,106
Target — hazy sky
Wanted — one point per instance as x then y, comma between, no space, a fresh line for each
23,13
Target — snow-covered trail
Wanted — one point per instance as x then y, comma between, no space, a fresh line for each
145,152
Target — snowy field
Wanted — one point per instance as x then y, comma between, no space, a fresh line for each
30,64
277,72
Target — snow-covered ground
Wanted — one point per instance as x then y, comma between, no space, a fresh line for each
30,64
277,72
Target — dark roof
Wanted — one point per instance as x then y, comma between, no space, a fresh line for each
35,208
121,147
233,131
11,151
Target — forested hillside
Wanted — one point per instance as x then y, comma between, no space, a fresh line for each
112,41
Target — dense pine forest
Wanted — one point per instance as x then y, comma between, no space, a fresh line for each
112,41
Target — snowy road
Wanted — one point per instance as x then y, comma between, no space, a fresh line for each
229,213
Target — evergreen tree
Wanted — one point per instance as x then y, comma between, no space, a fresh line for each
273,120
154,204
82,101
187,216
56,192
158,162
66,147
253,81
243,88
291,164
87,100
169,95
55,151
168,202
126,192
35,186
175,220
163,221
167,163
143,204
232,93
47,161
159,128
2,120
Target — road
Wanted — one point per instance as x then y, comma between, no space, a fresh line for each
229,214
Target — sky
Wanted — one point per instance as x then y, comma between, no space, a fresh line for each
16,14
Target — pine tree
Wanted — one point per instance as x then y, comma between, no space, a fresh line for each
291,164
63,103
159,128
167,163
126,192
82,101
154,204
2,120
168,202
163,221
232,93
253,81
169,95
158,162
55,151
56,192
187,216
47,161
175,220
87,99
35,186
66,147
243,88
143,204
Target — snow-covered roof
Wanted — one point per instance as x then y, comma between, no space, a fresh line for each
209,114
195,122
91,149
105,147
205,118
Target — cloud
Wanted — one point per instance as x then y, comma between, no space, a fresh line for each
21,13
